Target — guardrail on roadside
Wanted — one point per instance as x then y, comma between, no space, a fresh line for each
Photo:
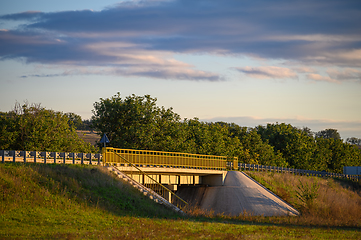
255,167
50,157
147,158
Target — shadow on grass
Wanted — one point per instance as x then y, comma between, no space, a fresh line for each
349,184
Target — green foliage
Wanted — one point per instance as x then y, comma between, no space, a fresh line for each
302,151
295,144
135,122
307,193
85,125
33,128
328,133
74,120
254,149
138,123
354,141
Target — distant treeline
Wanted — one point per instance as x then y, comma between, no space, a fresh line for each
136,122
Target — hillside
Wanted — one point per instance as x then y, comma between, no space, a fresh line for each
86,202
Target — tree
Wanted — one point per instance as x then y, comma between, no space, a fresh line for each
308,131
8,130
343,154
86,125
74,120
135,122
295,144
252,149
354,141
31,127
322,155
328,133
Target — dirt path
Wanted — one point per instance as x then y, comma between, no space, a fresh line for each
241,194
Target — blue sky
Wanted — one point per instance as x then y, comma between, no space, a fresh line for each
248,62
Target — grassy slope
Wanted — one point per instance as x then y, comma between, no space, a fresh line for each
76,202
322,201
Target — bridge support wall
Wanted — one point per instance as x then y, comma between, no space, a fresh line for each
168,179
214,179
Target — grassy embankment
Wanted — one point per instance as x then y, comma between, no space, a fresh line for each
324,202
76,202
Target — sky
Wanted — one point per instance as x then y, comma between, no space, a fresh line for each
248,62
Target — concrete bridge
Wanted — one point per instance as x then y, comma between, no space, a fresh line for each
171,169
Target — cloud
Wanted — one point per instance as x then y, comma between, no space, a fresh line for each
311,33
28,15
335,75
303,69
268,72
345,74
318,77
170,71
106,58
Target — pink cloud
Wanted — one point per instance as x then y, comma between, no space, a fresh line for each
267,72
318,77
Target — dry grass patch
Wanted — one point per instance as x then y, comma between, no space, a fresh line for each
89,136
329,202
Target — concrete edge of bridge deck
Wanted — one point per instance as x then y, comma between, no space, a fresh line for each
172,170
209,177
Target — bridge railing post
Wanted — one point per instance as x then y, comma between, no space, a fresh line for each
23,154
81,158
89,155
98,157
14,155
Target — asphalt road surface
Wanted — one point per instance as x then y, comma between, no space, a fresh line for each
241,194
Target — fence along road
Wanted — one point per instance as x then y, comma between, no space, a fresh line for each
50,157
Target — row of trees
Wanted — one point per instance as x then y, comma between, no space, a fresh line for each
136,122
31,127
75,120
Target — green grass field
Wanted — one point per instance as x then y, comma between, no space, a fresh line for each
40,201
